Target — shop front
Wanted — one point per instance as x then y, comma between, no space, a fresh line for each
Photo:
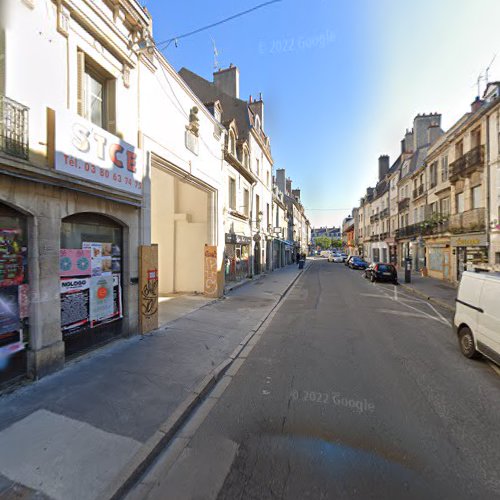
91,281
470,252
14,321
237,258
438,258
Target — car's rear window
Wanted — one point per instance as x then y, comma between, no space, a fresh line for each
383,268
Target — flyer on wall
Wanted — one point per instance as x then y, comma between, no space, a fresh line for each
74,303
11,257
75,262
101,299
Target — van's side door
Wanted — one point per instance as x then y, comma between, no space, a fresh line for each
489,319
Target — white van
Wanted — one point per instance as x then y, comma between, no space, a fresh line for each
477,317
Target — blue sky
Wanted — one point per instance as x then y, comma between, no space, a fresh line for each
341,80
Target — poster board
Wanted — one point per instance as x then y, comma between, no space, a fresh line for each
211,288
148,288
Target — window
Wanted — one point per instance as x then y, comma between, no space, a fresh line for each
268,215
445,206
421,216
444,168
267,178
459,149
475,138
459,201
232,143
232,193
245,158
433,172
257,208
96,92
257,161
246,201
497,258
476,197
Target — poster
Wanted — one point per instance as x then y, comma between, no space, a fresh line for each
101,298
11,257
9,310
23,300
101,256
117,297
74,303
75,262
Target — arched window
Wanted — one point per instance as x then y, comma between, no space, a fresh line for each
91,310
246,158
232,143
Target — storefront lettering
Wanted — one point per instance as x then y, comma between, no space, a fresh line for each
81,141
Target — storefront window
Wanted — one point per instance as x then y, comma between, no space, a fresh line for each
14,305
91,281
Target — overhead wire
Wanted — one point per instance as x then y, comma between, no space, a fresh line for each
163,45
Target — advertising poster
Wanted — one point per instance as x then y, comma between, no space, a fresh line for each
11,257
23,300
74,303
101,298
117,297
9,310
75,262
96,256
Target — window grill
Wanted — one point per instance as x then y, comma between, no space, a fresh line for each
14,128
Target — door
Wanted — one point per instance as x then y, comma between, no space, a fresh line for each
489,320
446,263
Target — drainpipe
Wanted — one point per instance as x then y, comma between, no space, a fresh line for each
488,181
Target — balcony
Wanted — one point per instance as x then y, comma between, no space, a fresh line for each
467,164
403,204
384,213
374,218
409,231
469,221
418,192
435,227
13,128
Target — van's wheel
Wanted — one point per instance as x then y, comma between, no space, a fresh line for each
466,341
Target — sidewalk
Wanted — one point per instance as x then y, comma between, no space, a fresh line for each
84,431
436,291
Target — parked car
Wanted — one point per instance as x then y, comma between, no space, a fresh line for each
346,262
344,256
336,257
357,263
382,272
477,315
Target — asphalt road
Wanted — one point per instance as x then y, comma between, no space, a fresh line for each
354,390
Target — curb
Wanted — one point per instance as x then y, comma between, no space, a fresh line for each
438,302
150,450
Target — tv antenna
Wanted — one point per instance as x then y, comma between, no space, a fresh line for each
216,55
488,69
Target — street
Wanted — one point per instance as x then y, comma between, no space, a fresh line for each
353,390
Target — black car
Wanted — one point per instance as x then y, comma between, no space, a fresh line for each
357,263
382,272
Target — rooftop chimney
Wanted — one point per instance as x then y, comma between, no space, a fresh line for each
281,179
434,132
296,193
476,105
383,166
289,186
257,107
228,80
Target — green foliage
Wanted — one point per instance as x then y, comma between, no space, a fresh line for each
324,242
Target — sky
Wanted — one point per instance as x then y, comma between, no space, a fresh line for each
341,79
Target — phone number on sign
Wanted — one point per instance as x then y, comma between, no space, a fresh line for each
96,171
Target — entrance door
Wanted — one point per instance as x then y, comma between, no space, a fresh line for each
256,258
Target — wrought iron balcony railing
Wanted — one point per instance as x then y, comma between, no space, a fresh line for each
418,192
14,128
403,204
467,164
409,231
384,213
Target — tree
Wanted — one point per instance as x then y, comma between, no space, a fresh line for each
337,243
324,242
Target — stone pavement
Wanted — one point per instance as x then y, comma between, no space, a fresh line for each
81,432
437,291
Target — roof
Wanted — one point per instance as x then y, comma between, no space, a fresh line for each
232,107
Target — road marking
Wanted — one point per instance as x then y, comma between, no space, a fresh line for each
494,367
448,322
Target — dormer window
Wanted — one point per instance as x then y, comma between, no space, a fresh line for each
257,122
232,143
246,158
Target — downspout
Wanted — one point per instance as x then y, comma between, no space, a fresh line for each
488,187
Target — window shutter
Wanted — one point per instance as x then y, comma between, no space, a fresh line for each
80,84
111,106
